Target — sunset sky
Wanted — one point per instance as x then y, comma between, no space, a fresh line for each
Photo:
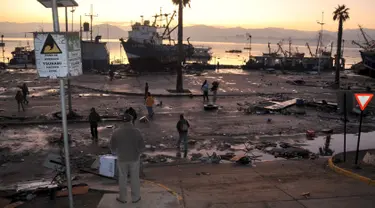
293,14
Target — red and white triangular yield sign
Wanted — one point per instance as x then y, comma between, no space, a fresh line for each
363,99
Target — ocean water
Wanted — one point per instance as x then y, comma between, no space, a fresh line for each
117,54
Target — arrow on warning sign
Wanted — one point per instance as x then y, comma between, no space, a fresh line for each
363,99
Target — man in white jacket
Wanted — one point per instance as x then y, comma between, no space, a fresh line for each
127,143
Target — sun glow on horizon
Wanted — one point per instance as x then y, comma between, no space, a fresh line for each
290,14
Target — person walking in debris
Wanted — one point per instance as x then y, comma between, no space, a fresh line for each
215,87
182,128
205,90
133,113
25,92
150,101
94,118
111,74
146,90
19,99
127,143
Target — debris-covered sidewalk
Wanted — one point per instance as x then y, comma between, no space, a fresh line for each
291,183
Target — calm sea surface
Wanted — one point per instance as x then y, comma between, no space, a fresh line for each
117,53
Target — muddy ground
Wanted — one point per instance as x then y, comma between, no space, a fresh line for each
24,147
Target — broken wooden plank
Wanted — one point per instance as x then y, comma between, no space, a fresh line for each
281,105
30,186
238,157
79,189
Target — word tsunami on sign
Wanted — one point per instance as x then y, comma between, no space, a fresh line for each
50,46
363,99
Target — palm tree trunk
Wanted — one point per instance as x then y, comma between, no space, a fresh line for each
338,53
179,82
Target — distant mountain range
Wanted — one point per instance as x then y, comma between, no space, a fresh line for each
196,33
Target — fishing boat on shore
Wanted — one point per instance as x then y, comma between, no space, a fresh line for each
367,51
22,55
202,55
145,48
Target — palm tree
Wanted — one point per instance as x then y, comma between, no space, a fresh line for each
341,14
181,4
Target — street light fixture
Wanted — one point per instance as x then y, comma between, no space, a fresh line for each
59,3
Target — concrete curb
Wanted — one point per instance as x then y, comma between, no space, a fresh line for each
347,173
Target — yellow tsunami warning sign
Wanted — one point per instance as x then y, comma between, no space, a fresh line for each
50,46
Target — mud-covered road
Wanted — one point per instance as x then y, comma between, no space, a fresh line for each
25,146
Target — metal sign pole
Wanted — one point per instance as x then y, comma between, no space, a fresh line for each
56,28
345,110
359,138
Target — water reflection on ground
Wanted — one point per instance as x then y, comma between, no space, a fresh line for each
322,145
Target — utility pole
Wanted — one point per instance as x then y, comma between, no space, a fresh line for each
66,19
80,27
321,36
72,11
56,28
70,108
91,15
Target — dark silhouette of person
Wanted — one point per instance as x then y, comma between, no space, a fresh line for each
133,113
183,128
19,99
205,88
25,92
111,74
94,118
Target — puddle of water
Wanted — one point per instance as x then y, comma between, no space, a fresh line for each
232,71
297,140
96,95
337,142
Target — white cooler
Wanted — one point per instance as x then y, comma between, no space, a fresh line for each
108,166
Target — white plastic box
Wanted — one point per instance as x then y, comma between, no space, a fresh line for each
108,166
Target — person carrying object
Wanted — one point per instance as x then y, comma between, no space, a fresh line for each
127,143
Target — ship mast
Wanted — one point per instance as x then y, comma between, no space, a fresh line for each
290,47
91,15
308,47
281,49
364,35
269,48
320,40
249,38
